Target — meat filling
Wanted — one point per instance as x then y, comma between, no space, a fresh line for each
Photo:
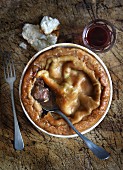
39,91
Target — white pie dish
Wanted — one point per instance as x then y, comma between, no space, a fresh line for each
74,46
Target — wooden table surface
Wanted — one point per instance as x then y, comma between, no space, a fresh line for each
43,152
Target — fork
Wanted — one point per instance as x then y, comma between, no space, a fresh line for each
10,77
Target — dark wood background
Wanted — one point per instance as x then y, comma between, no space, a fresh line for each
43,152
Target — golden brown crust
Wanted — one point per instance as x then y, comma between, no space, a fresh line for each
80,77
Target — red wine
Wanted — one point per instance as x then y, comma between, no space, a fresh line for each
99,35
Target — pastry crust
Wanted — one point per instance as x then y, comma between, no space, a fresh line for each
81,86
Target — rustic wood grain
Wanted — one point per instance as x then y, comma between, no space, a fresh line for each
41,151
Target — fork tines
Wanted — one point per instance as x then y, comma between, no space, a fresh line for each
9,69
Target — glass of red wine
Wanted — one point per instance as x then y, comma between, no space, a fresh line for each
99,35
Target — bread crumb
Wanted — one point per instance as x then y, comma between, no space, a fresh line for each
23,45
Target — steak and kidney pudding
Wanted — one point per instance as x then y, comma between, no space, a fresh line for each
79,83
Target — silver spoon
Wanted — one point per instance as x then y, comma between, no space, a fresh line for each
98,151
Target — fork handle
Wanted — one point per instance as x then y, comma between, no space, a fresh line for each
18,141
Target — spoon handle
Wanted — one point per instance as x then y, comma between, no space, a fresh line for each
98,151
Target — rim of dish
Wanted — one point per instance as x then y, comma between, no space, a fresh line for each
66,45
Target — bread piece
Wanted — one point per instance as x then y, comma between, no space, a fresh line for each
38,40
48,24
